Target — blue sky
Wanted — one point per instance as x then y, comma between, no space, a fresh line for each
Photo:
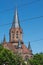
32,29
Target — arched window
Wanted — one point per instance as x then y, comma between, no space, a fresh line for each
13,36
17,34
12,32
21,32
26,58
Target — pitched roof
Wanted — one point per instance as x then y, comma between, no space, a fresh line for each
9,46
24,49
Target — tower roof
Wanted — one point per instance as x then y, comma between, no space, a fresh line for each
4,40
19,44
16,23
29,46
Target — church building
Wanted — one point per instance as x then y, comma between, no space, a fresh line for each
16,43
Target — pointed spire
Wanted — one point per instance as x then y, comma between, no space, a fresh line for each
15,23
4,40
19,44
29,46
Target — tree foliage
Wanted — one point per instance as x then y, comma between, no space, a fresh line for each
36,60
8,57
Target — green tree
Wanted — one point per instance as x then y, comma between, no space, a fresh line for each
7,56
36,60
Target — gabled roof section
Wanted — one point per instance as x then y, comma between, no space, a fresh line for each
16,23
24,49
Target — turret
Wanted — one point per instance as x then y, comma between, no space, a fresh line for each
4,39
29,46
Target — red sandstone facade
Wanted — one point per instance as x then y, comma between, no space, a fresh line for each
16,43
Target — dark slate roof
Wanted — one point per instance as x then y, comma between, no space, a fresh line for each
4,39
29,46
16,23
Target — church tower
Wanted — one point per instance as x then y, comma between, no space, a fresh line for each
15,33
16,43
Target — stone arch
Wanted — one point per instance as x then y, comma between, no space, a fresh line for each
26,57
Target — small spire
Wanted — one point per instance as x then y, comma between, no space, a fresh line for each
19,44
15,23
29,46
4,40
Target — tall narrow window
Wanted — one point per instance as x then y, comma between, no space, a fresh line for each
17,34
12,37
